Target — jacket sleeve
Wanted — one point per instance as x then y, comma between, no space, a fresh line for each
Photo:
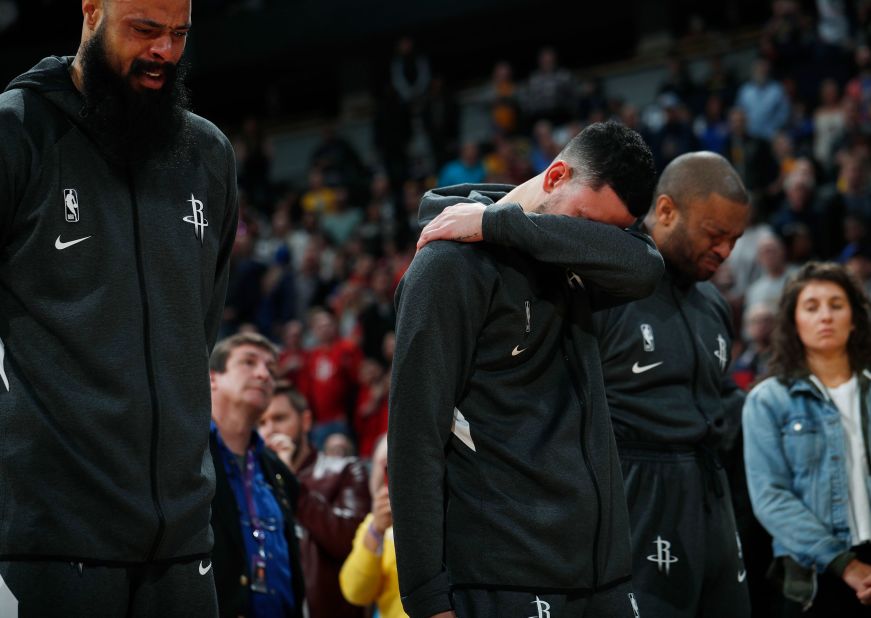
623,265
770,480
230,218
442,302
332,525
15,167
360,577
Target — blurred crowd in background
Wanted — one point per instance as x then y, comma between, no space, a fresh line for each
316,264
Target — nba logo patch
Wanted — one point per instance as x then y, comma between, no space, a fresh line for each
71,206
647,338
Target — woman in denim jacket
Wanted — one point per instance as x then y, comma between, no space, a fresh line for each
806,438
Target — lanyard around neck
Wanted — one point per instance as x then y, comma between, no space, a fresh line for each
257,528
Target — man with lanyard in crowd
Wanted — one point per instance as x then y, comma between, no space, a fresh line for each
256,555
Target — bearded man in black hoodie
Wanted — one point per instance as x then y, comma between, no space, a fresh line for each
117,217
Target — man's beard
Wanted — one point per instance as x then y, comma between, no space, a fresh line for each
683,264
133,124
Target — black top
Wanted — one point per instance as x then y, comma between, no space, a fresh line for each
112,285
666,360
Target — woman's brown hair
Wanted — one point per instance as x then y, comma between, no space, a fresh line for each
787,354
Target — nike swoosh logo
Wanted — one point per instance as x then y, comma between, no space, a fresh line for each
636,368
742,575
60,246
518,350
205,570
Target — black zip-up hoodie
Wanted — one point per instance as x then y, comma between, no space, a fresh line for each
666,360
112,285
503,467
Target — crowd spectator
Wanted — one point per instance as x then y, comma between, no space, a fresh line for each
292,355
549,92
764,102
333,500
787,38
319,198
441,120
751,156
409,72
806,447
328,377
466,169
370,414
711,128
852,189
255,153
502,99
798,205
544,146
858,263
256,554
771,254
752,363
829,123
337,160
369,574
675,137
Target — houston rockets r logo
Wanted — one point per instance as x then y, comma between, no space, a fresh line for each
197,218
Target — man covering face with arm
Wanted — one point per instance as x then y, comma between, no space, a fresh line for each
505,485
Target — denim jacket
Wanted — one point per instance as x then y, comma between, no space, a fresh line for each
794,452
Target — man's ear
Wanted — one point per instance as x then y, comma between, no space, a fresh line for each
212,376
557,173
306,421
92,10
666,210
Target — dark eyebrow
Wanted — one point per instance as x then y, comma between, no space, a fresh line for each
153,24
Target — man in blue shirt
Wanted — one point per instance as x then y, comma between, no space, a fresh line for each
256,555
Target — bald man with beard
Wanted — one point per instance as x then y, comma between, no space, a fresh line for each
665,360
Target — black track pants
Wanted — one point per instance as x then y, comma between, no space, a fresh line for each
687,560
69,590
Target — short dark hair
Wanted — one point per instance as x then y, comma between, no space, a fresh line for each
787,351
218,359
696,175
609,153
297,400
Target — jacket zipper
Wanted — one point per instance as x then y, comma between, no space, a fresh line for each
149,367
589,465
695,356
575,372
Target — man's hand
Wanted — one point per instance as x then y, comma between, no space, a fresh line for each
858,576
283,446
460,223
